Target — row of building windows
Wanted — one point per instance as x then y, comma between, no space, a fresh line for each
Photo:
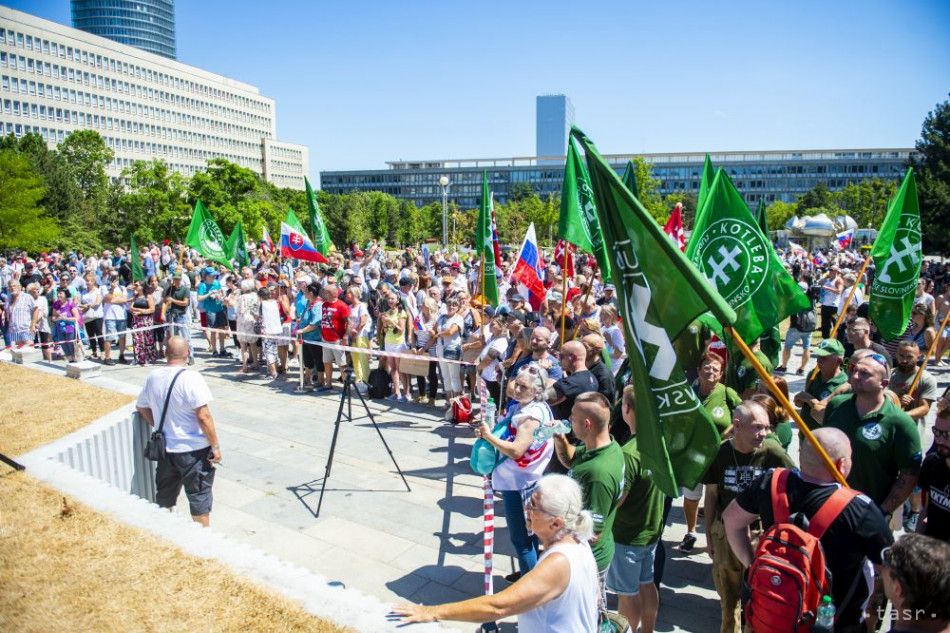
79,97
101,82
77,55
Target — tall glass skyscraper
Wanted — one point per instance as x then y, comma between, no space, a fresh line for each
554,117
145,24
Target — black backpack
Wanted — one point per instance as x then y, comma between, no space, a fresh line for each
380,385
805,321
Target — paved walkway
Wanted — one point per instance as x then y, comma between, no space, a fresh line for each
420,546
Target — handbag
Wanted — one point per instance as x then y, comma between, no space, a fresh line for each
155,447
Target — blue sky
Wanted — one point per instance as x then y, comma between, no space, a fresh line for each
361,83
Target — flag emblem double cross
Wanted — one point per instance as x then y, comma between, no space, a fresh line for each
212,238
296,240
734,255
900,269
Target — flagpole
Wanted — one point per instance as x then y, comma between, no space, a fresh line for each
783,401
577,326
844,308
930,351
564,291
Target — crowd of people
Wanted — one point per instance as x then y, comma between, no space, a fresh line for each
583,514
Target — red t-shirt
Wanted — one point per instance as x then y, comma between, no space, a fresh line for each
333,324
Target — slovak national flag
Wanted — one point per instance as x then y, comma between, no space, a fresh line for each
266,241
843,239
296,245
528,272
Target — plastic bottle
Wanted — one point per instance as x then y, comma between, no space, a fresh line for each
826,615
490,413
551,428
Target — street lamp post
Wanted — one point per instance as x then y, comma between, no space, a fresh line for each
444,183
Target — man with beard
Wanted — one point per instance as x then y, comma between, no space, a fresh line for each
917,404
539,348
934,482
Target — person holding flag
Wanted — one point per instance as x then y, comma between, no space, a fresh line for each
485,249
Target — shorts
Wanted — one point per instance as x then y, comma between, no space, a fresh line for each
285,333
20,336
312,356
111,327
795,336
693,494
337,356
631,566
191,470
395,348
217,320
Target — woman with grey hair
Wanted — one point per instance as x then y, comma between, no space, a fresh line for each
43,333
248,316
561,593
527,454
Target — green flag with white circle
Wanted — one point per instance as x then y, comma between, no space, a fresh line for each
897,257
205,236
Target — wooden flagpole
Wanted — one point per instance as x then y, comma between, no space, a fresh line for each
563,291
930,351
788,406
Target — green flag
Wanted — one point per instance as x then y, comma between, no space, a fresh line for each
293,222
578,223
659,293
236,246
483,246
761,220
136,258
728,247
630,179
705,182
897,257
320,235
206,237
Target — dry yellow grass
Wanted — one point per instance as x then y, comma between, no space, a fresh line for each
39,407
66,567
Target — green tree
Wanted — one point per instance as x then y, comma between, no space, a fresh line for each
866,201
153,206
778,213
817,197
650,190
688,200
22,221
932,165
520,191
87,155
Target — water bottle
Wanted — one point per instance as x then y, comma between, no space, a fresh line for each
550,428
826,616
489,414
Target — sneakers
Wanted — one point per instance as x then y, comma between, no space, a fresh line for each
801,371
123,361
362,388
392,397
910,521
430,402
108,362
689,542
324,389
404,399
781,369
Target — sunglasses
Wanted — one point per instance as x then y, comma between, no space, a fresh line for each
941,434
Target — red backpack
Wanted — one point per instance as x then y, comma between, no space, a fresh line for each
461,410
788,576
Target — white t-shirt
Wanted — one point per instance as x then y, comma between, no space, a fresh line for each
270,317
90,297
523,473
576,608
455,341
500,345
115,311
357,312
182,431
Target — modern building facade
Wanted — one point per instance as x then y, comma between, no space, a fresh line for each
55,79
145,24
554,116
768,175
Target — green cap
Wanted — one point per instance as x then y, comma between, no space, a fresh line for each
829,347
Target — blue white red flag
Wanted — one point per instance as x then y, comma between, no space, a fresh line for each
426,256
843,239
266,241
528,272
296,245
496,246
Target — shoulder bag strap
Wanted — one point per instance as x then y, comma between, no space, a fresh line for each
168,397
780,511
830,510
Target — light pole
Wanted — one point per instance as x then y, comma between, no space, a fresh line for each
444,183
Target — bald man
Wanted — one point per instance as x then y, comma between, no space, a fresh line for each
594,347
853,540
578,380
191,442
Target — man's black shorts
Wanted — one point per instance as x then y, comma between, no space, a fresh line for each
191,470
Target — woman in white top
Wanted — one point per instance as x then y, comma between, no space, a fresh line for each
358,326
526,456
448,346
561,594
271,328
613,336
90,306
247,313
424,341
43,331
489,359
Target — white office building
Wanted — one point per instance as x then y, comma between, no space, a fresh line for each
55,79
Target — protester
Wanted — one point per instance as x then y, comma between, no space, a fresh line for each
90,308
334,331
142,311
832,285
271,329
821,385
66,320
309,331
917,582
248,322
934,481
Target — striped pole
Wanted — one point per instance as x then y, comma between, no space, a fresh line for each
488,515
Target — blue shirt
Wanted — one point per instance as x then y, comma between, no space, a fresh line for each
312,315
300,304
211,306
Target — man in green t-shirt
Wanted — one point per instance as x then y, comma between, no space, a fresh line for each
637,529
597,465
821,385
884,440
742,375
740,460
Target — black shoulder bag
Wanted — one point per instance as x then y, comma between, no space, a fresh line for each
155,447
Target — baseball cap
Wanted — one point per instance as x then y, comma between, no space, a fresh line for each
517,298
610,287
829,347
209,271
517,314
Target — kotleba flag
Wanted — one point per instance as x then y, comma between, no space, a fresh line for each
496,246
266,241
484,248
296,245
528,272
205,236
674,227
843,239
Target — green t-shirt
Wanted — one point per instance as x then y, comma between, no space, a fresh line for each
600,475
733,471
689,345
883,443
782,434
745,376
820,389
720,403
639,517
